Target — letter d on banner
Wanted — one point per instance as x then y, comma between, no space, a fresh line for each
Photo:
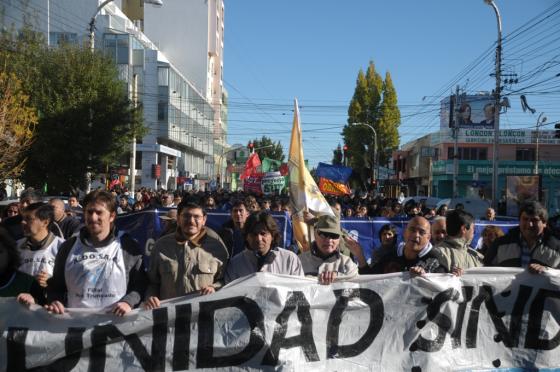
376,315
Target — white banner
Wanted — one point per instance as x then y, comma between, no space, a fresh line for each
488,319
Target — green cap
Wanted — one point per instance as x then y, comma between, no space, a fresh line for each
328,224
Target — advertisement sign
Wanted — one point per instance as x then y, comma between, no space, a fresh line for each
521,189
487,319
470,111
507,136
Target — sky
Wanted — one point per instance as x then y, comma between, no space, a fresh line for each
276,51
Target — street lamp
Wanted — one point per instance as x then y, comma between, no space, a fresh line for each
101,6
374,162
496,105
539,122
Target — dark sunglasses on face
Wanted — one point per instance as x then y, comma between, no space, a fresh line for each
327,235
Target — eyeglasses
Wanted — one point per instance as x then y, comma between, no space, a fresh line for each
188,216
327,235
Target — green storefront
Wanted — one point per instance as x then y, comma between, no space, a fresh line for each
474,179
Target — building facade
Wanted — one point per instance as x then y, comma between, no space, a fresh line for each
427,165
185,118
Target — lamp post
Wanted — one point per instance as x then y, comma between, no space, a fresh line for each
496,105
539,122
374,162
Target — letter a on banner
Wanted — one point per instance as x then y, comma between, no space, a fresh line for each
304,193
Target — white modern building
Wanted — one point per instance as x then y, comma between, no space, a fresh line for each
180,88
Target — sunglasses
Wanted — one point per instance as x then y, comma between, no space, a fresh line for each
327,235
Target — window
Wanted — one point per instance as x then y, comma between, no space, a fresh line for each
116,46
468,153
525,154
163,76
162,111
59,38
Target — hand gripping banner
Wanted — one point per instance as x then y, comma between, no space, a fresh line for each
489,319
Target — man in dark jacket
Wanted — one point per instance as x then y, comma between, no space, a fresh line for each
64,225
100,268
414,254
531,245
232,231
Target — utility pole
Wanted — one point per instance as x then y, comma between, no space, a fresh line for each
133,155
454,107
497,106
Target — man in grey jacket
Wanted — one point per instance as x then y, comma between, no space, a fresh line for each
262,253
456,255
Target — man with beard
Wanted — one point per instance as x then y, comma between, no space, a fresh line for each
100,268
190,260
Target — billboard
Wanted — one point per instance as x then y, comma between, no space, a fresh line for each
470,111
521,189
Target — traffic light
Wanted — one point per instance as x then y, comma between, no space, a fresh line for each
557,127
345,152
251,146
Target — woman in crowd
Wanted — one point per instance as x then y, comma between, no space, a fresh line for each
489,234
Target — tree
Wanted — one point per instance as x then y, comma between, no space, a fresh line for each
266,148
17,123
86,120
375,103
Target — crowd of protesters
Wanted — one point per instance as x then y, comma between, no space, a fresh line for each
71,255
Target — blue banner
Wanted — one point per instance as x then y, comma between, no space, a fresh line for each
335,173
146,227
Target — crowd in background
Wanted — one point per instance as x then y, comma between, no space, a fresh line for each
70,254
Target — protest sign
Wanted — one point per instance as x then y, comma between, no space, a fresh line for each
489,318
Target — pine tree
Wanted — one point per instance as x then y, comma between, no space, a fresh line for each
389,121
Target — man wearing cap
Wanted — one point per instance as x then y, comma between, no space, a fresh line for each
324,260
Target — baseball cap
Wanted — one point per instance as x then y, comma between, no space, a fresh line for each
328,224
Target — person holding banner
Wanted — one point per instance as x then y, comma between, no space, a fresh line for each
190,260
531,245
414,254
455,248
263,253
39,247
100,268
324,259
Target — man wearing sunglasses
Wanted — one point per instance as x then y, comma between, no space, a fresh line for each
324,260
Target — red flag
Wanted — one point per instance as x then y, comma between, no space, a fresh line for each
251,166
